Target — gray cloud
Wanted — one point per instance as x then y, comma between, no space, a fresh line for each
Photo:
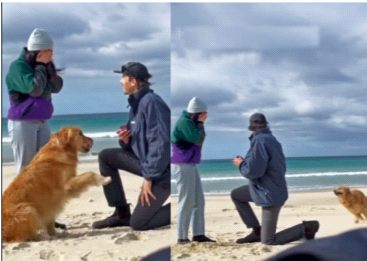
20,19
91,40
310,82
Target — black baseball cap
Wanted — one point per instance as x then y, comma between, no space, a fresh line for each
258,118
134,69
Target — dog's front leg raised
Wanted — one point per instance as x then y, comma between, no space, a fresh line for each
78,184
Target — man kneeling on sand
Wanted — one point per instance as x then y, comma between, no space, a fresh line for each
264,166
145,151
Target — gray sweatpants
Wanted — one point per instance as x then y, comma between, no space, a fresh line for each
190,200
269,218
27,137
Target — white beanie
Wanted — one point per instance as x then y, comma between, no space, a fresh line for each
196,105
39,40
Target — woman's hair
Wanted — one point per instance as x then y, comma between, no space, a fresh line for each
31,57
194,116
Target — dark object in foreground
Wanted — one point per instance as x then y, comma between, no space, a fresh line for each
350,246
163,254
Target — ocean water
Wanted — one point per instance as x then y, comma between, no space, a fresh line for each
303,173
218,176
100,127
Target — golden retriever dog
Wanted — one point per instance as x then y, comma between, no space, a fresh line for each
354,200
38,194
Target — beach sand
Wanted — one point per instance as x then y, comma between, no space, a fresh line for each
224,225
81,242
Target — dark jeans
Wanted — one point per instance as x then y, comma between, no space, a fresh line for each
143,218
269,218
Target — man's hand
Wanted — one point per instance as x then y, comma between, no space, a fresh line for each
237,161
146,193
124,135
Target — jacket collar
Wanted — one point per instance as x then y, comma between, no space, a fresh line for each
22,53
185,114
26,57
23,56
261,131
135,98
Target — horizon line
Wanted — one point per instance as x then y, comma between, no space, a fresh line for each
292,157
77,114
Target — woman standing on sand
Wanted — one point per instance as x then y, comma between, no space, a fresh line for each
187,140
31,79
264,166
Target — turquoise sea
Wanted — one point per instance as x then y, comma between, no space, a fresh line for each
218,176
101,127
303,173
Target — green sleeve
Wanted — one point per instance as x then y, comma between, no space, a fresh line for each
190,132
20,78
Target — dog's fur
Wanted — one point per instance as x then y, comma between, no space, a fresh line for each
38,194
354,200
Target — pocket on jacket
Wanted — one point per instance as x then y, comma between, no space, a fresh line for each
263,194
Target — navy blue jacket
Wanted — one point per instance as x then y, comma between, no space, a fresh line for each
149,123
264,166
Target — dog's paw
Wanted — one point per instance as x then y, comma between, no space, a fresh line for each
106,181
103,180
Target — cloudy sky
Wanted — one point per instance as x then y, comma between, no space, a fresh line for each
91,40
303,65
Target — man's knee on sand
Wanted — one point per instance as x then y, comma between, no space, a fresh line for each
138,223
268,241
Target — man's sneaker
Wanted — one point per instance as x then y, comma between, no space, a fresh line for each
254,236
202,238
183,241
119,218
311,228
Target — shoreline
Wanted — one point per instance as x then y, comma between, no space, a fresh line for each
290,192
93,158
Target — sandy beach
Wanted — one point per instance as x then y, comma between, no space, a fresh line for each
224,225
81,242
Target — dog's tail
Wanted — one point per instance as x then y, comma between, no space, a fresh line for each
19,222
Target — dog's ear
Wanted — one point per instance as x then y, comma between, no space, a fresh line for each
346,190
65,137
